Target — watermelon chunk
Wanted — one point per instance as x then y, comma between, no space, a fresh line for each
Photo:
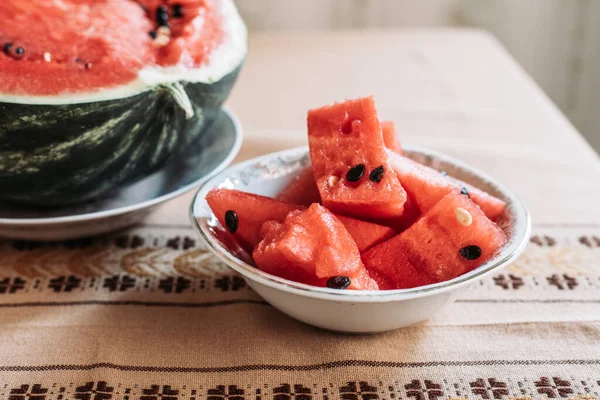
366,234
252,211
436,244
442,245
349,161
389,266
427,186
492,206
311,246
301,190
388,129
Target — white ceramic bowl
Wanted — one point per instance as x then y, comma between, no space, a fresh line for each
348,310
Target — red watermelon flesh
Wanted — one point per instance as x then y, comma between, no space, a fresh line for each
74,46
492,206
301,190
388,265
345,139
311,246
437,242
390,139
252,211
428,186
366,234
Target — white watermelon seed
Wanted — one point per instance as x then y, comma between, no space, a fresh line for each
333,180
47,57
463,216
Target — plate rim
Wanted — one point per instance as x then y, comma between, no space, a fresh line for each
233,152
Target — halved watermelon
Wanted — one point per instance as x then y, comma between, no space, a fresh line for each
427,186
243,214
312,246
97,93
366,234
301,190
454,237
349,161
388,129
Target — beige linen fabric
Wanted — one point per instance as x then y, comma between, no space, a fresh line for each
149,314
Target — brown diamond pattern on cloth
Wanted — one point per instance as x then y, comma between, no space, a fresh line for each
543,240
563,281
230,282
94,391
174,285
64,283
119,283
492,389
423,390
8,285
358,391
508,281
231,392
554,387
285,392
590,241
28,392
155,393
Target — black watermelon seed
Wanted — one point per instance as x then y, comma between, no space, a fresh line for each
19,51
177,10
338,282
162,16
231,220
464,191
7,47
377,174
355,173
444,173
152,34
471,252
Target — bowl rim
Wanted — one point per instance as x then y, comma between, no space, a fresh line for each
87,217
506,255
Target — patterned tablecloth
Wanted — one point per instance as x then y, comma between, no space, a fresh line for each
148,314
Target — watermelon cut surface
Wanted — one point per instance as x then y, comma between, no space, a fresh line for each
366,234
301,190
346,147
311,246
388,129
438,246
427,187
252,211
434,244
389,266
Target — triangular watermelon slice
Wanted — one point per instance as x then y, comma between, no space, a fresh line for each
312,246
349,161
251,211
388,129
451,239
427,186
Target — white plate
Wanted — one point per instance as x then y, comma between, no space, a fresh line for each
130,203
350,310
